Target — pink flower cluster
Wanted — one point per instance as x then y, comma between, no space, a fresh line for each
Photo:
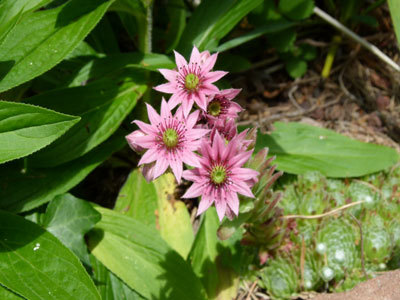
205,139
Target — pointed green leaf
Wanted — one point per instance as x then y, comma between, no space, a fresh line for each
138,199
394,6
110,286
41,41
300,148
142,259
8,295
102,106
24,191
69,218
25,128
36,265
204,252
173,216
212,20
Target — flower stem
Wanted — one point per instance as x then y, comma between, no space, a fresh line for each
375,50
331,56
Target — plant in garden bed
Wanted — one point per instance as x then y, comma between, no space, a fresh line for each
68,90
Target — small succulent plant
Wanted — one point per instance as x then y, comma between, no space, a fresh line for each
325,253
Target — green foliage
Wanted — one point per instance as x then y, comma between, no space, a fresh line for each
173,217
140,257
110,286
394,7
25,129
331,246
37,266
138,199
280,279
300,148
296,10
69,219
212,20
39,42
22,191
106,104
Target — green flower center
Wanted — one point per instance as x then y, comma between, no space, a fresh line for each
218,175
191,82
170,138
214,108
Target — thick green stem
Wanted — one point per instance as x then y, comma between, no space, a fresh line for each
331,56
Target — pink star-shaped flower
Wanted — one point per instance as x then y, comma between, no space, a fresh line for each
221,177
192,81
170,141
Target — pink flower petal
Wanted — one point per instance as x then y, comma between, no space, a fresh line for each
244,173
192,119
209,63
220,205
180,60
233,202
170,75
168,88
214,76
209,89
146,128
150,156
195,56
230,93
240,159
187,106
201,100
147,141
192,175
154,117
242,188
177,169
174,100
148,172
160,167
165,110
195,190
204,204
191,159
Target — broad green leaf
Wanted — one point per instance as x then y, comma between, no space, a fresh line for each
36,265
110,286
212,20
102,38
297,10
142,259
300,148
100,67
296,67
22,191
205,251
213,260
138,199
6,294
102,106
176,11
273,27
69,218
173,216
41,41
25,128
394,7
11,11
